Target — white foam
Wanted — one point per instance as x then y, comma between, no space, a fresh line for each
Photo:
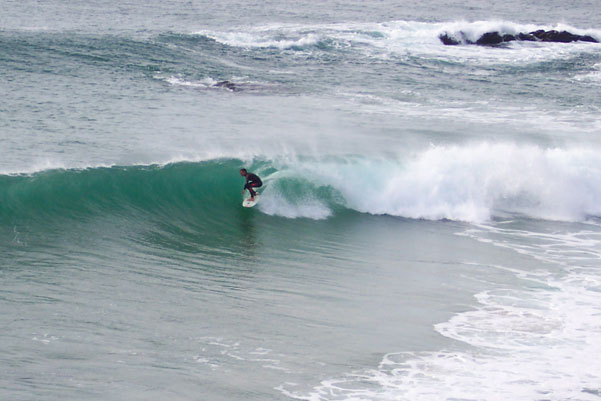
423,39
179,81
593,77
274,203
407,38
46,165
35,167
468,183
559,248
489,112
263,37
535,341
471,182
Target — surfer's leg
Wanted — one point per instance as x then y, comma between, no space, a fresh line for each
250,189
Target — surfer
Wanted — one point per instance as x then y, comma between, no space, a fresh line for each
252,181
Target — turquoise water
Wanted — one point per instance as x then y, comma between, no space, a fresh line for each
428,229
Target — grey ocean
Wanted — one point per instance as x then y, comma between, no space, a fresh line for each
429,228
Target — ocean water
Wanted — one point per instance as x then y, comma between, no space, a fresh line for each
429,228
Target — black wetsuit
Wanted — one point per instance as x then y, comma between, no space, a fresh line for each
252,181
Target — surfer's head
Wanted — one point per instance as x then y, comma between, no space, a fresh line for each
243,172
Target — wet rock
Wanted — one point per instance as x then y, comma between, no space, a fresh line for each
555,36
228,85
490,38
448,40
525,36
538,34
495,38
565,37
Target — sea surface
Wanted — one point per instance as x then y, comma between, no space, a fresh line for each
429,228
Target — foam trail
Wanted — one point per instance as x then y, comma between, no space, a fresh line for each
527,342
178,81
275,204
263,38
593,77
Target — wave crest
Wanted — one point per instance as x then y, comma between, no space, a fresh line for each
470,183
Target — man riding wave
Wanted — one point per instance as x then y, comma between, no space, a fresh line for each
252,181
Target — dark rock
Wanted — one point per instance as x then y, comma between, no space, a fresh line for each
554,36
561,37
494,38
228,85
490,38
567,37
526,36
587,38
448,40
538,34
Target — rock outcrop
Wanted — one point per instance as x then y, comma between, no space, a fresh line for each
495,38
227,85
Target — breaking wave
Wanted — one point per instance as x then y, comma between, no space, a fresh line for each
470,183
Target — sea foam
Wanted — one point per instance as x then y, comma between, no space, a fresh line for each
404,38
468,183
529,342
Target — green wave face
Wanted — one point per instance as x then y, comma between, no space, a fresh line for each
168,190
180,191
194,208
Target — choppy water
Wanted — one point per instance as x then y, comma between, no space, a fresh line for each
429,228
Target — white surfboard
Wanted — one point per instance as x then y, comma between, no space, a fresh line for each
250,203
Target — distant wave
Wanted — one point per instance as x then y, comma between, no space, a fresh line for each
467,183
401,39
380,35
236,84
189,58
259,37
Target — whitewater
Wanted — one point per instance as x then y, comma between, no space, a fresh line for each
429,227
